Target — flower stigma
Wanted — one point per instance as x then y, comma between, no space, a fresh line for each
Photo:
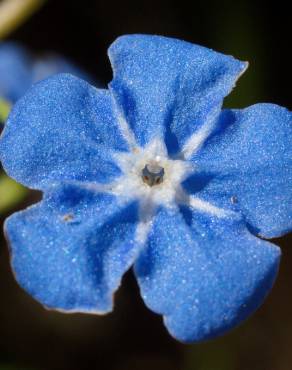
152,174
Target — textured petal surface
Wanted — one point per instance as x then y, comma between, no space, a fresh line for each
204,275
248,162
71,250
166,87
15,71
62,129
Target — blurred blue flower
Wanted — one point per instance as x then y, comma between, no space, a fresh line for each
151,173
19,70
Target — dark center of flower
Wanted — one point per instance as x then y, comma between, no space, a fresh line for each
152,174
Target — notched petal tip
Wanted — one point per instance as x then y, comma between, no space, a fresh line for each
244,67
68,266
80,310
225,274
184,83
57,131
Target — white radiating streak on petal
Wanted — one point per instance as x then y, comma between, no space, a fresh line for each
116,189
125,129
196,140
156,149
96,187
202,205
146,206
146,213
142,232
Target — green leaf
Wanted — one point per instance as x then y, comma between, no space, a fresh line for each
11,193
4,109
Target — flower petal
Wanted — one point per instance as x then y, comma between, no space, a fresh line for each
62,129
166,87
15,71
248,161
205,277
71,250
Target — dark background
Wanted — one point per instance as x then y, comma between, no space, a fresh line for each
133,338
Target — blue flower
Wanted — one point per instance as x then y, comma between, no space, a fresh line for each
151,173
19,70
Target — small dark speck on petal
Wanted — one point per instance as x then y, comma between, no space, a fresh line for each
68,217
233,199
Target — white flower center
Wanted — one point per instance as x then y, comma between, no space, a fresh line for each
148,173
154,179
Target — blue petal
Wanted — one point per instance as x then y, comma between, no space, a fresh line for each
166,87
15,71
71,250
18,70
205,277
248,161
62,129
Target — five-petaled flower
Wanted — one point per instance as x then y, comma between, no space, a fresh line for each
151,173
